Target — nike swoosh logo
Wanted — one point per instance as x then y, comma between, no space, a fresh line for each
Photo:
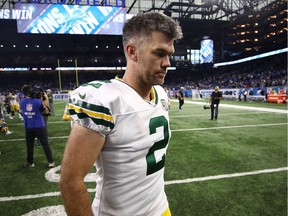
82,96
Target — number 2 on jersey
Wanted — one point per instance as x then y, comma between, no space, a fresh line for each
152,165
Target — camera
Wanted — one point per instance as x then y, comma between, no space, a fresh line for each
206,107
37,93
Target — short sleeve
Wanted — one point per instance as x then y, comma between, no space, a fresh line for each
89,107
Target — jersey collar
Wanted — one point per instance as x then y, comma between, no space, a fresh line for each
153,92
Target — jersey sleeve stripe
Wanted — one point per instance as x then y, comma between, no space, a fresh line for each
96,116
154,95
90,106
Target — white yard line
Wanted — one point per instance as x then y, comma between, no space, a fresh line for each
222,114
23,139
229,127
183,181
49,122
233,175
175,130
241,107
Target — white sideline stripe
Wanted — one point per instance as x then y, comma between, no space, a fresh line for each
228,127
240,107
35,196
256,172
208,178
49,122
175,130
222,114
23,139
179,116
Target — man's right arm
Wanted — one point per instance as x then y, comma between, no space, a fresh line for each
82,150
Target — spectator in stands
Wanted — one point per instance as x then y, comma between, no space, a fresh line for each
214,102
181,97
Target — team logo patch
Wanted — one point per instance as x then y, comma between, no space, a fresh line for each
29,107
164,105
82,96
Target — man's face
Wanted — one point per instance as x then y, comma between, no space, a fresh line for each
153,58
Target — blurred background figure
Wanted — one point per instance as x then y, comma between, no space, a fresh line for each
181,97
4,128
50,99
214,102
66,115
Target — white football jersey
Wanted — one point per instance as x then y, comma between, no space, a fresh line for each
13,99
130,168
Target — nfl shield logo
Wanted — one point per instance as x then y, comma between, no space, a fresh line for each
29,107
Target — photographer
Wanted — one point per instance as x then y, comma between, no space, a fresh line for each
32,108
214,102
42,95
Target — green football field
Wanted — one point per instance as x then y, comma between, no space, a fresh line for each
236,165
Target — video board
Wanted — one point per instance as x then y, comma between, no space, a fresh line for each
70,19
206,51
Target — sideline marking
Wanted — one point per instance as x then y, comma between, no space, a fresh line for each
175,130
229,127
183,181
241,107
53,175
222,114
177,116
233,175
23,139
49,122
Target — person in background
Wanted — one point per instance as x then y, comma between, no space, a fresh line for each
214,102
120,124
240,94
66,115
169,98
50,99
4,129
245,93
3,126
47,112
14,101
32,108
7,105
181,97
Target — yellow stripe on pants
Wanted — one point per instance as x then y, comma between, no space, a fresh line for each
167,212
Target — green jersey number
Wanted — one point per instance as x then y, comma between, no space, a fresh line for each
152,165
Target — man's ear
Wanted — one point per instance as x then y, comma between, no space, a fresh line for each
131,52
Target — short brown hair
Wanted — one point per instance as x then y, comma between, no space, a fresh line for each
27,90
145,24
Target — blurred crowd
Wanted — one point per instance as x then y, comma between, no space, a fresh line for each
262,73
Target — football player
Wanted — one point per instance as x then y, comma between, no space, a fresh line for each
66,116
4,128
123,126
